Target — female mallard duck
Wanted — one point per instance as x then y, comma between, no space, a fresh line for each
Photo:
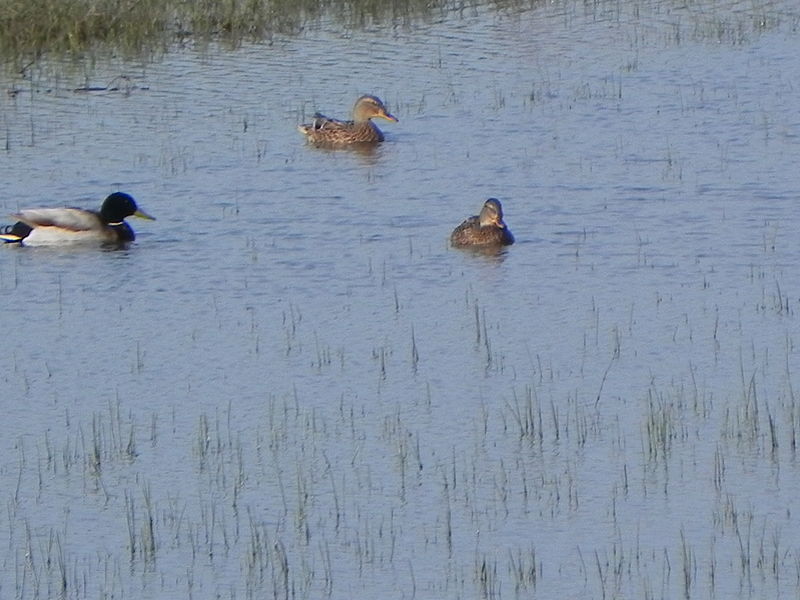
486,229
49,226
325,131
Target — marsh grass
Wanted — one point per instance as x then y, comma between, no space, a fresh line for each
29,28
74,25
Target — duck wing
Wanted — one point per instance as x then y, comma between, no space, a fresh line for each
72,219
462,235
322,123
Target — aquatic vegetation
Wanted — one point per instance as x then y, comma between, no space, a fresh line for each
74,25
29,27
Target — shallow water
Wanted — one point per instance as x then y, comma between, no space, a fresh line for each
291,386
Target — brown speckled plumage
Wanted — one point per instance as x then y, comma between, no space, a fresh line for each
326,131
486,229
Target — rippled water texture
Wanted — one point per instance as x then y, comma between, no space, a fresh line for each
291,387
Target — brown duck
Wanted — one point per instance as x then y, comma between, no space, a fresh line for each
325,131
486,229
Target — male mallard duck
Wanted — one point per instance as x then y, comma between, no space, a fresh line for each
48,226
486,229
332,132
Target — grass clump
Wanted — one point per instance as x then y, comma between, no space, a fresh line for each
31,27
34,26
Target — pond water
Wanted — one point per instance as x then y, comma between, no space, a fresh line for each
290,386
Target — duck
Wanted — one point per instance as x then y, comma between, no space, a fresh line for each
485,229
68,225
325,131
